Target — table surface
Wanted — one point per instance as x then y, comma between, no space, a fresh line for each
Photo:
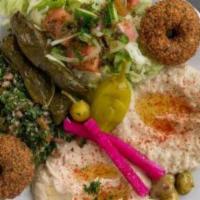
195,3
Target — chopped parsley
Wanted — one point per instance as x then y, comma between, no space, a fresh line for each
14,98
93,188
19,116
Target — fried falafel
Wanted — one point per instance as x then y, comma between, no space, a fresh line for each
170,31
16,166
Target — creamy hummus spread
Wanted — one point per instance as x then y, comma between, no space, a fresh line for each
71,167
163,122
164,119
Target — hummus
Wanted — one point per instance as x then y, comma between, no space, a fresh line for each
164,119
71,167
163,122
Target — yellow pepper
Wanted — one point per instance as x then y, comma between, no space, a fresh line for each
111,102
121,8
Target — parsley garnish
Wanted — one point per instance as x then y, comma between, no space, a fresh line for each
93,187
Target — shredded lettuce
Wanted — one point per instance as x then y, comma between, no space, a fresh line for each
98,2
142,67
88,78
45,5
136,55
9,7
37,9
74,4
42,4
55,60
142,6
37,16
138,66
64,39
138,73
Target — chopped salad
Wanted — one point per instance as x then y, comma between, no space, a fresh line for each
94,36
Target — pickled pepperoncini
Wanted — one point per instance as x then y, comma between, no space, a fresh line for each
111,101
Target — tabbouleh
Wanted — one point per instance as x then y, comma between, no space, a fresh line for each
19,116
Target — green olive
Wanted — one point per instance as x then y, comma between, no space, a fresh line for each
163,188
184,182
80,111
172,196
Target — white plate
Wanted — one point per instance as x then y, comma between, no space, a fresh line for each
194,195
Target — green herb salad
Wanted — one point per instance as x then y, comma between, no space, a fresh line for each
64,52
91,36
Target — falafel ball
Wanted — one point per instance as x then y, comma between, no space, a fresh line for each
170,31
16,166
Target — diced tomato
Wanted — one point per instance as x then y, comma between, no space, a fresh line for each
82,50
87,50
132,3
70,53
128,28
54,21
91,65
